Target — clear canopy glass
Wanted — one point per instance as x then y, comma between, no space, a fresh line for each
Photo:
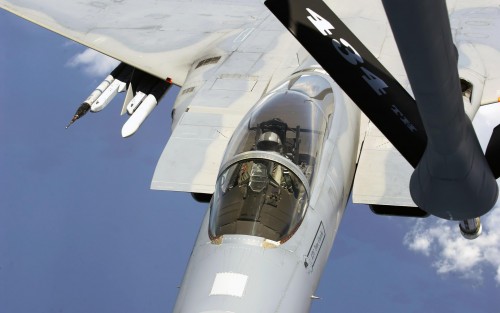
270,161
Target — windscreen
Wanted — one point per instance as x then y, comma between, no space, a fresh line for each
258,197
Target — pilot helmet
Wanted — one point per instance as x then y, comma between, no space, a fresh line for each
269,141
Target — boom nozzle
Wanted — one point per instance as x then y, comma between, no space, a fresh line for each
82,110
471,228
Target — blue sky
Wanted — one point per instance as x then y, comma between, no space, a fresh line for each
80,231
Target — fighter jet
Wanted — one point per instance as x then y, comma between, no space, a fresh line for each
269,127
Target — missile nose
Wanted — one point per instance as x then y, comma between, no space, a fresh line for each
72,121
129,129
139,116
81,111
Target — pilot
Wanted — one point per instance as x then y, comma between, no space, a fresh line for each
269,141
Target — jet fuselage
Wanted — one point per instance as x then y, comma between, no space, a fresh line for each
265,238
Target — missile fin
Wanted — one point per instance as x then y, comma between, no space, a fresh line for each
129,96
122,87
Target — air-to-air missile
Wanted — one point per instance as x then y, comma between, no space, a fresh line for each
148,93
144,93
115,82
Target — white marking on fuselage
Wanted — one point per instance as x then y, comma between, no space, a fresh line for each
229,284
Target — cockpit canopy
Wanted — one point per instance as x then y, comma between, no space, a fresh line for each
289,123
269,164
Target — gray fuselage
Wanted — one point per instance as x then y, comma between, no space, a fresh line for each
240,271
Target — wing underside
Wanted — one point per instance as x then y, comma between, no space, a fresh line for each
162,38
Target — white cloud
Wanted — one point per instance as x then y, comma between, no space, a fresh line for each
93,63
441,241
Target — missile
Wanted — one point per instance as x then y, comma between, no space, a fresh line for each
139,116
142,110
140,85
119,84
103,86
98,91
105,98
85,106
135,102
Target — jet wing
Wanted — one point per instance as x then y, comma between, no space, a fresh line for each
162,38
224,54
176,39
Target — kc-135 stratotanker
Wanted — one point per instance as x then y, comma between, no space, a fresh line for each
277,129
